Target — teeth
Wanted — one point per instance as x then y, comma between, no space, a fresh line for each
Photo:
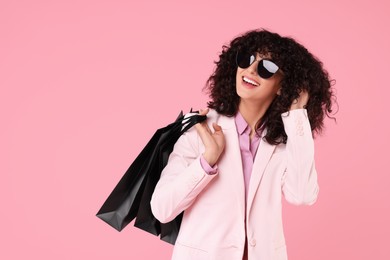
249,81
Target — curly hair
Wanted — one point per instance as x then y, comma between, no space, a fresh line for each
301,71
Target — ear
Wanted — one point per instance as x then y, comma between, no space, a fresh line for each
279,91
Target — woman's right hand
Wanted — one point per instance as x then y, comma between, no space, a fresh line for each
214,142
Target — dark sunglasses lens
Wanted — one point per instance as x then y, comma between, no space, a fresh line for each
244,59
266,69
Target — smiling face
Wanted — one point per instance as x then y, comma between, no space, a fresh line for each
251,87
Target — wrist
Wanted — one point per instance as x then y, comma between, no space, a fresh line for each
209,159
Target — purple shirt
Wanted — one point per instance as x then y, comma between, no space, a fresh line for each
248,150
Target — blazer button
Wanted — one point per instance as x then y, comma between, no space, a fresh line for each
252,242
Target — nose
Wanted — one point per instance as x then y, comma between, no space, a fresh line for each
253,67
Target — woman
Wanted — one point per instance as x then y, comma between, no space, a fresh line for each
268,94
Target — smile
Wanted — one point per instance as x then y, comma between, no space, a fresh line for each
249,82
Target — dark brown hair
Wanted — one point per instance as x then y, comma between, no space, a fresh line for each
302,71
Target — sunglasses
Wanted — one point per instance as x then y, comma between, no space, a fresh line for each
266,68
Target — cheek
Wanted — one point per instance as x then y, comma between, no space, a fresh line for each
238,75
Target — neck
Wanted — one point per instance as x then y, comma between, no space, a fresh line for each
252,112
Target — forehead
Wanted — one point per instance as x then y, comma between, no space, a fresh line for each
261,52
260,56
263,55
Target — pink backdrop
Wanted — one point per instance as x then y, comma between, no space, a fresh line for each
84,84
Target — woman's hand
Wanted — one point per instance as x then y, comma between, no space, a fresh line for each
301,101
214,142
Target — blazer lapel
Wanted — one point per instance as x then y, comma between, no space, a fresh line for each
232,159
262,157
232,154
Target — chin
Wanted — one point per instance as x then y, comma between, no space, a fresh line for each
245,93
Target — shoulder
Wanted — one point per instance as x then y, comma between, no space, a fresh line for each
212,117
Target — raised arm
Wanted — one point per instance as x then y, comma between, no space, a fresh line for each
299,181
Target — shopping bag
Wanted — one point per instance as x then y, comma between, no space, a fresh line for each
131,196
145,219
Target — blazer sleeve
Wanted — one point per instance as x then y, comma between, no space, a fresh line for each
181,180
299,181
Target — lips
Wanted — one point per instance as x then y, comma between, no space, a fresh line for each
249,82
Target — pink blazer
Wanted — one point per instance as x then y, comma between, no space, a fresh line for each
213,224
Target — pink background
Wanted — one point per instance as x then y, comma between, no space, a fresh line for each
84,85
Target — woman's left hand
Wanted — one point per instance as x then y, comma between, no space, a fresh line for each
301,101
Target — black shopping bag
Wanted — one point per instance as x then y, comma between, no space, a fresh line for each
131,197
145,219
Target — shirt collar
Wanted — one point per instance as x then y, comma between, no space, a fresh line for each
241,124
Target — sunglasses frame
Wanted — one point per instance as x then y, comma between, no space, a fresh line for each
260,70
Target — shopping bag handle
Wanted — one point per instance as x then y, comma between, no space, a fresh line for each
190,121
